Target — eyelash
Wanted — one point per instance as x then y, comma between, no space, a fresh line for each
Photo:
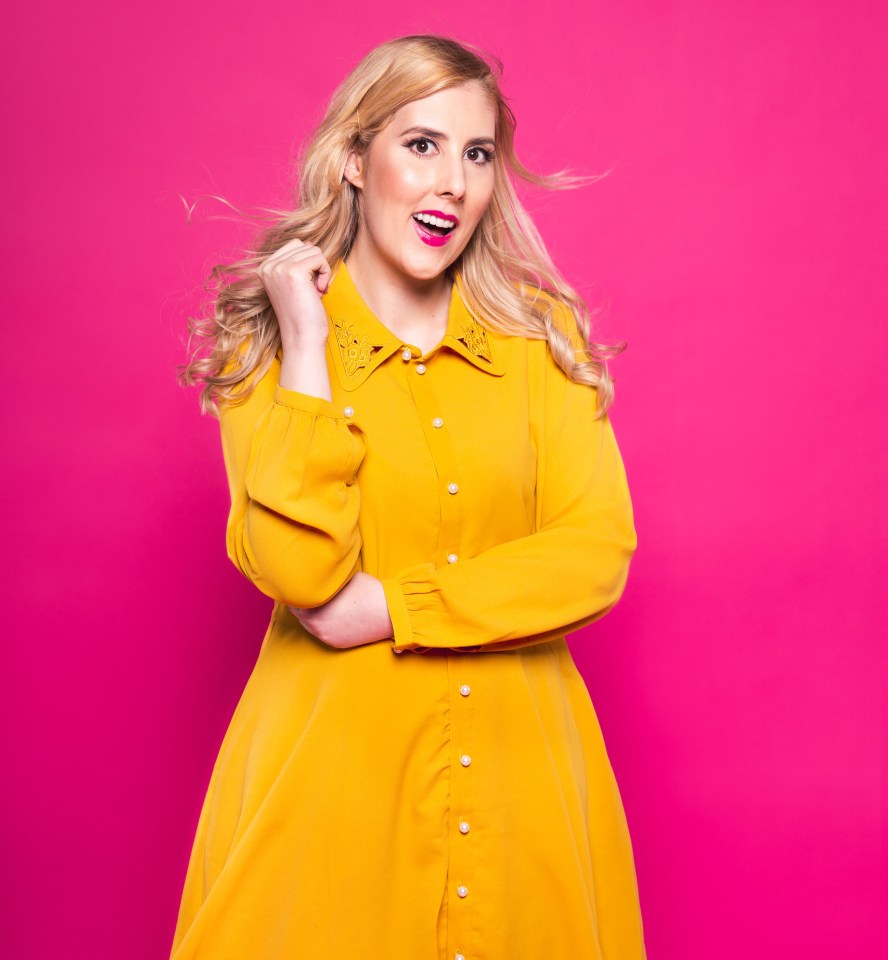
489,154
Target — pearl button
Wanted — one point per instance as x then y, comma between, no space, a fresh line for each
462,891
406,354
463,827
459,956
420,368
349,411
452,558
438,422
465,689
465,759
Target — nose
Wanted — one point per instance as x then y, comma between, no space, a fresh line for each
452,177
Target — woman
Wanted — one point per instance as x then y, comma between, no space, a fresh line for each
419,465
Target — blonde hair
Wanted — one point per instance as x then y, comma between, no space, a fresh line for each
505,273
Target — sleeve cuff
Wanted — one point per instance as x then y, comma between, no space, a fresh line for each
397,608
309,403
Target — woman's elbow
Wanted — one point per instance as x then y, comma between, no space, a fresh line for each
306,581
606,555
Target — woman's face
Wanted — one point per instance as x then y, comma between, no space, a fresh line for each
435,155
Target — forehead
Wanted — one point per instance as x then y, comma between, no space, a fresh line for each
466,109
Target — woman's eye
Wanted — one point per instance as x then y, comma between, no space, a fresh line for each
413,145
486,154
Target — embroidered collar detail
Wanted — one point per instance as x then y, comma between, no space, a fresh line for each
359,343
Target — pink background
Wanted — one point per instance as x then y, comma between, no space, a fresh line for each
735,243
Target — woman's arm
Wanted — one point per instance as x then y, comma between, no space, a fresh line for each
571,571
291,460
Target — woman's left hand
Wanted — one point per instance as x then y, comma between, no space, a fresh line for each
358,614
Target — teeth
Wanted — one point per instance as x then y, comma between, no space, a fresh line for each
435,221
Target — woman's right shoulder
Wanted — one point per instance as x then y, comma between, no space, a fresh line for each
257,386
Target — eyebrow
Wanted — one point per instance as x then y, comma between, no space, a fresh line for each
425,131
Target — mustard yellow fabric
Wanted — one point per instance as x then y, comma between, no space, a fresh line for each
445,793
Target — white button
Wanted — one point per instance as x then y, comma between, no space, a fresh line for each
459,956
406,354
452,487
463,827
462,891
465,689
452,558
420,368
438,422
349,411
465,759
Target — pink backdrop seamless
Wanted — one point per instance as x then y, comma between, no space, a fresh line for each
735,245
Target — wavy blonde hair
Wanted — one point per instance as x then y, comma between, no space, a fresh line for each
505,273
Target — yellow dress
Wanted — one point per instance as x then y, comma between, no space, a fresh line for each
447,793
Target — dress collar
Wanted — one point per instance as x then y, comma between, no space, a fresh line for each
359,342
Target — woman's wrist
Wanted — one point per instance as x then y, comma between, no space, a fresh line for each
304,369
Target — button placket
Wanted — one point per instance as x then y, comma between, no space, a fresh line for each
436,420
462,852
435,426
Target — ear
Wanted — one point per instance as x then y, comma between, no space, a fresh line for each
354,169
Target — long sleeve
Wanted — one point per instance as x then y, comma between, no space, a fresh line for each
569,572
291,460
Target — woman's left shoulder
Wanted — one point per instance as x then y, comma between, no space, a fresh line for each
541,302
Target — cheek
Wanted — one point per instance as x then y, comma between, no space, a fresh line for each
397,182
480,205
407,184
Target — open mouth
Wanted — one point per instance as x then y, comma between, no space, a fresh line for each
433,228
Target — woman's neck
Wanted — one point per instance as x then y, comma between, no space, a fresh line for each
416,311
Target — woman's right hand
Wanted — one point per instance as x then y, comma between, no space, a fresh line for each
295,277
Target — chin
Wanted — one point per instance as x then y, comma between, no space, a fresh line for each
426,271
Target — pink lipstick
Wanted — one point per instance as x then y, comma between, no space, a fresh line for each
433,234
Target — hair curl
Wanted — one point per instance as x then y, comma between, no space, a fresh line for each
505,273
